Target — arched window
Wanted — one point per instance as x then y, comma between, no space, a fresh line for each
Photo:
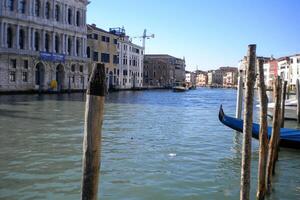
73,68
37,8
56,44
57,13
69,46
36,41
21,39
23,6
9,37
77,47
11,5
47,42
48,10
88,52
78,18
69,16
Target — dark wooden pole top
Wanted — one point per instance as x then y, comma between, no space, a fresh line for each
97,83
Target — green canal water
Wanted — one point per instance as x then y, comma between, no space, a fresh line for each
156,145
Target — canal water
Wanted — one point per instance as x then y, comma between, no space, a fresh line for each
156,145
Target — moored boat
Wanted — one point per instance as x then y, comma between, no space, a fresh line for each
289,138
180,87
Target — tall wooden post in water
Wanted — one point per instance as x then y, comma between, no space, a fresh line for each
247,127
298,100
274,142
92,133
283,103
239,97
263,134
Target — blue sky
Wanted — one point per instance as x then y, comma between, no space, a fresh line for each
209,33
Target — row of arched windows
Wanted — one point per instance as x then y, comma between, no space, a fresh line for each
11,4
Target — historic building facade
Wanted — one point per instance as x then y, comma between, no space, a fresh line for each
102,48
163,70
131,63
43,45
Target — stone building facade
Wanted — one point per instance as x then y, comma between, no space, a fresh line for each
131,63
102,48
201,78
158,73
43,45
163,70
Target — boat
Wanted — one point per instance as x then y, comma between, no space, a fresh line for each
180,87
290,110
289,138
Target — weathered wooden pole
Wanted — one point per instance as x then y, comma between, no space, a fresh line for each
298,100
247,126
92,133
239,97
263,134
274,142
283,103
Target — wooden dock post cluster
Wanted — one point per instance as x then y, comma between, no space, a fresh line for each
268,151
92,133
239,98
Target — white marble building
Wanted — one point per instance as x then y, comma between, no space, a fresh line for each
131,64
43,41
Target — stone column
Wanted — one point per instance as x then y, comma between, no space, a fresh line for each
43,40
17,42
67,44
1,33
52,49
5,35
74,46
29,7
29,38
32,38
63,46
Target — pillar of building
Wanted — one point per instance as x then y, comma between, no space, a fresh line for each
43,40
63,46
32,39
29,11
67,45
53,43
1,33
5,35
29,38
17,37
75,46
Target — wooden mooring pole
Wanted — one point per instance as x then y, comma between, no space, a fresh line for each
298,100
239,97
275,137
283,103
247,126
263,134
94,109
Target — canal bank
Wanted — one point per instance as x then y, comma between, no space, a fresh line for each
156,145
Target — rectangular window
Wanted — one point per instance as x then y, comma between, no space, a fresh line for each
298,60
116,59
12,76
81,79
25,64
103,38
105,58
115,41
115,70
24,76
13,63
95,36
107,39
95,56
73,79
292,61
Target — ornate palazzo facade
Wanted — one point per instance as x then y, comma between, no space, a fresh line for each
43,45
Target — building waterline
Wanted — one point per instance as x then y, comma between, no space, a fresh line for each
156,145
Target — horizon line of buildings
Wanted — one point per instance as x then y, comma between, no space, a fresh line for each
48,46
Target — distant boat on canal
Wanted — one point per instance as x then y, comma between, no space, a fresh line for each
180,87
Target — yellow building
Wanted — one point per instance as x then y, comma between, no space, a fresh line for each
102,48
